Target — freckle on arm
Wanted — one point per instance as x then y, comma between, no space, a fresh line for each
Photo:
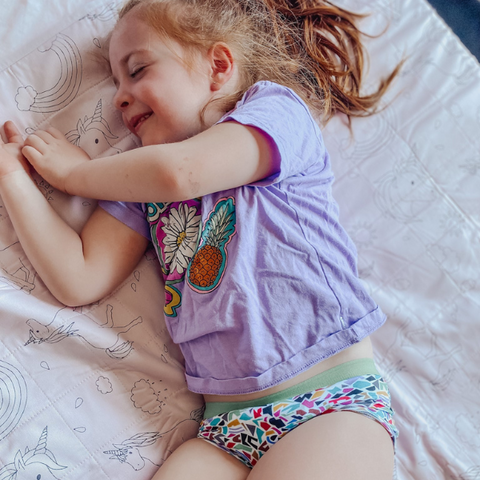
194,185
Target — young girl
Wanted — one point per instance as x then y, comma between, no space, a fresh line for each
233,187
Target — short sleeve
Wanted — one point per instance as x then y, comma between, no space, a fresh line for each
293,134
131,214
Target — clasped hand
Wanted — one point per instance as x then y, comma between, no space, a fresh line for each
48,151
11,158
53,156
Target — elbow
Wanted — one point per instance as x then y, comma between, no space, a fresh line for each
178,181
185,186
73,296
73,300
87,289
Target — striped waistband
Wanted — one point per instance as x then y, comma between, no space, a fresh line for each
354,368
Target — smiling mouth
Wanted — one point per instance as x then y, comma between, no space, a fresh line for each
137,121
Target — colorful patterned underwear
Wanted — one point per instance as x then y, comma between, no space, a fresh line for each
249,432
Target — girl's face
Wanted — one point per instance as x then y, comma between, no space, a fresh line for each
159,97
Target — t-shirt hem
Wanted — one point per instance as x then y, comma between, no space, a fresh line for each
298,364
133,218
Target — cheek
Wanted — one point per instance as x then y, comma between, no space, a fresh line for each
125,122
152,97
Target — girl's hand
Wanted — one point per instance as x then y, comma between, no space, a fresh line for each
11,158
53,156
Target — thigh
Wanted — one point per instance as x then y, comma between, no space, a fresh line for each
196,459
340,445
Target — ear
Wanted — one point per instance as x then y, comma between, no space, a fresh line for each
222,65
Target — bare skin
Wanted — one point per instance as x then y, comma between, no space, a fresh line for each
362,349
339,446
80,269
342,445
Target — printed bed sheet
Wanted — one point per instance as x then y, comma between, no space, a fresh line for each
99,390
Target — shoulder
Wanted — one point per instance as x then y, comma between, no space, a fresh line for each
268,89
276,108
270,97
284,117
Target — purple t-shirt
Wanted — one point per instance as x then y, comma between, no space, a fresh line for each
261,280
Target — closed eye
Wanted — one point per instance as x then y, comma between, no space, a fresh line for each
136,71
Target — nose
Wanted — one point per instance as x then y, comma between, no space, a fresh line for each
122,99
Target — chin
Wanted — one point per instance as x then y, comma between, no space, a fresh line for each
148,141
154,139
167,137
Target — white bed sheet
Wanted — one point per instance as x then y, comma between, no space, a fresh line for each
100,390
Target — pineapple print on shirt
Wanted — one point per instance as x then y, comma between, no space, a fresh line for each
175,230
206,270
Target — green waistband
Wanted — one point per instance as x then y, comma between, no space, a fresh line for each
354,368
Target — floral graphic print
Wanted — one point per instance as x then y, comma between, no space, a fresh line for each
187,252
181,234
175,229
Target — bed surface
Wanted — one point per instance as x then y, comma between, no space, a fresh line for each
99,390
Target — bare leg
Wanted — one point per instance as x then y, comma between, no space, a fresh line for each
198,459
341,445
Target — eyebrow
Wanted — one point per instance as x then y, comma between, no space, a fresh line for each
126,57
124,60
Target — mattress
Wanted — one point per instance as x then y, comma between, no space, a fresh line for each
100,389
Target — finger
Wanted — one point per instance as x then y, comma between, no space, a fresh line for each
44,135
36,142
31,154
12,132
55,133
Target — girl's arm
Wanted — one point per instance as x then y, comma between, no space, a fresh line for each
77,269
224,156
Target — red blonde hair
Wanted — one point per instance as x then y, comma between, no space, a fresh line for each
311,46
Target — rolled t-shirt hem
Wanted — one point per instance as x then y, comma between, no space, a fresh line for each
299,363
131,214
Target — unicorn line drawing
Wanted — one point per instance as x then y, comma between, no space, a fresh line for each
37,463
105,15
23,278
87,328
92,134
128,452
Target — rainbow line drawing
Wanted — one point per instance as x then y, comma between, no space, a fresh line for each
13,396
66,86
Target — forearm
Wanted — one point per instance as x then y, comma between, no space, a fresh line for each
53,248
220,158
147,174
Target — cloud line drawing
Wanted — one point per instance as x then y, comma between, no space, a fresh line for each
146,398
